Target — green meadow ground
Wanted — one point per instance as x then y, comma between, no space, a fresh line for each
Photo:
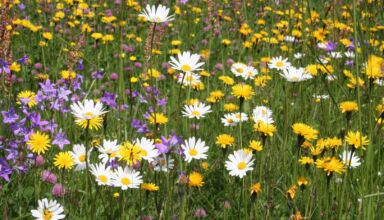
131,57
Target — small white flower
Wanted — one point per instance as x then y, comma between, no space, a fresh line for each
262,113
194,149
197,110
279,63
188,79
239,163
127,178
78,153
350,159
349,54
156,15
293,74
289,39
163,163
104,175
229,119
108,151
147,149
186,62
48,209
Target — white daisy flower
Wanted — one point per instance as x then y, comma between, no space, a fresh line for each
240,116
250,73
350,159
108,150
156,15
163,163
262,113
289,39
293,74
298,56
239,163
148,149
229,119
88,113
194,149
197,110
335,55
321,45
349,54
186,62
127,178
78,154
48,209
331,77
103,174
188,79
238,69
279,63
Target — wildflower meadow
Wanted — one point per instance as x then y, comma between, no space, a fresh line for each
191,109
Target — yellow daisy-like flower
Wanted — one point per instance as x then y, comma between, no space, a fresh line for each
356,140
255,145
231,107
66,74
151,187
291,192
264,128
39,142
374,67
255,188
130,153
225,140
227,80
64,160
302,181
158,118
306,161
27,97
195,179
305,131
243,91
348,106
330,165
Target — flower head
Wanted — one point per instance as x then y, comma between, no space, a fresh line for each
39,142
88,114
243,91
156,15
239,163
194,149
48,210
64,160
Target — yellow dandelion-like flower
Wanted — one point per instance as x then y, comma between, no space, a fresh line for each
151,187
227,80
27,97
243,91
374,67
291,192
306,161
230,107
348,106
158,118
64,160
130,153
39,142
256,145
331,165
225,140
305,131
255,188
356,140
195,179
264,128
302,181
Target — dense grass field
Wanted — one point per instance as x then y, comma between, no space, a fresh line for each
188,109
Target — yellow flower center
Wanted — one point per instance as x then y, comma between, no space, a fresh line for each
103,178
240,70
195,113
230,120
144,152
241,165
89,115
125,181
186,68
47,215
82,158
193,152
279,64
